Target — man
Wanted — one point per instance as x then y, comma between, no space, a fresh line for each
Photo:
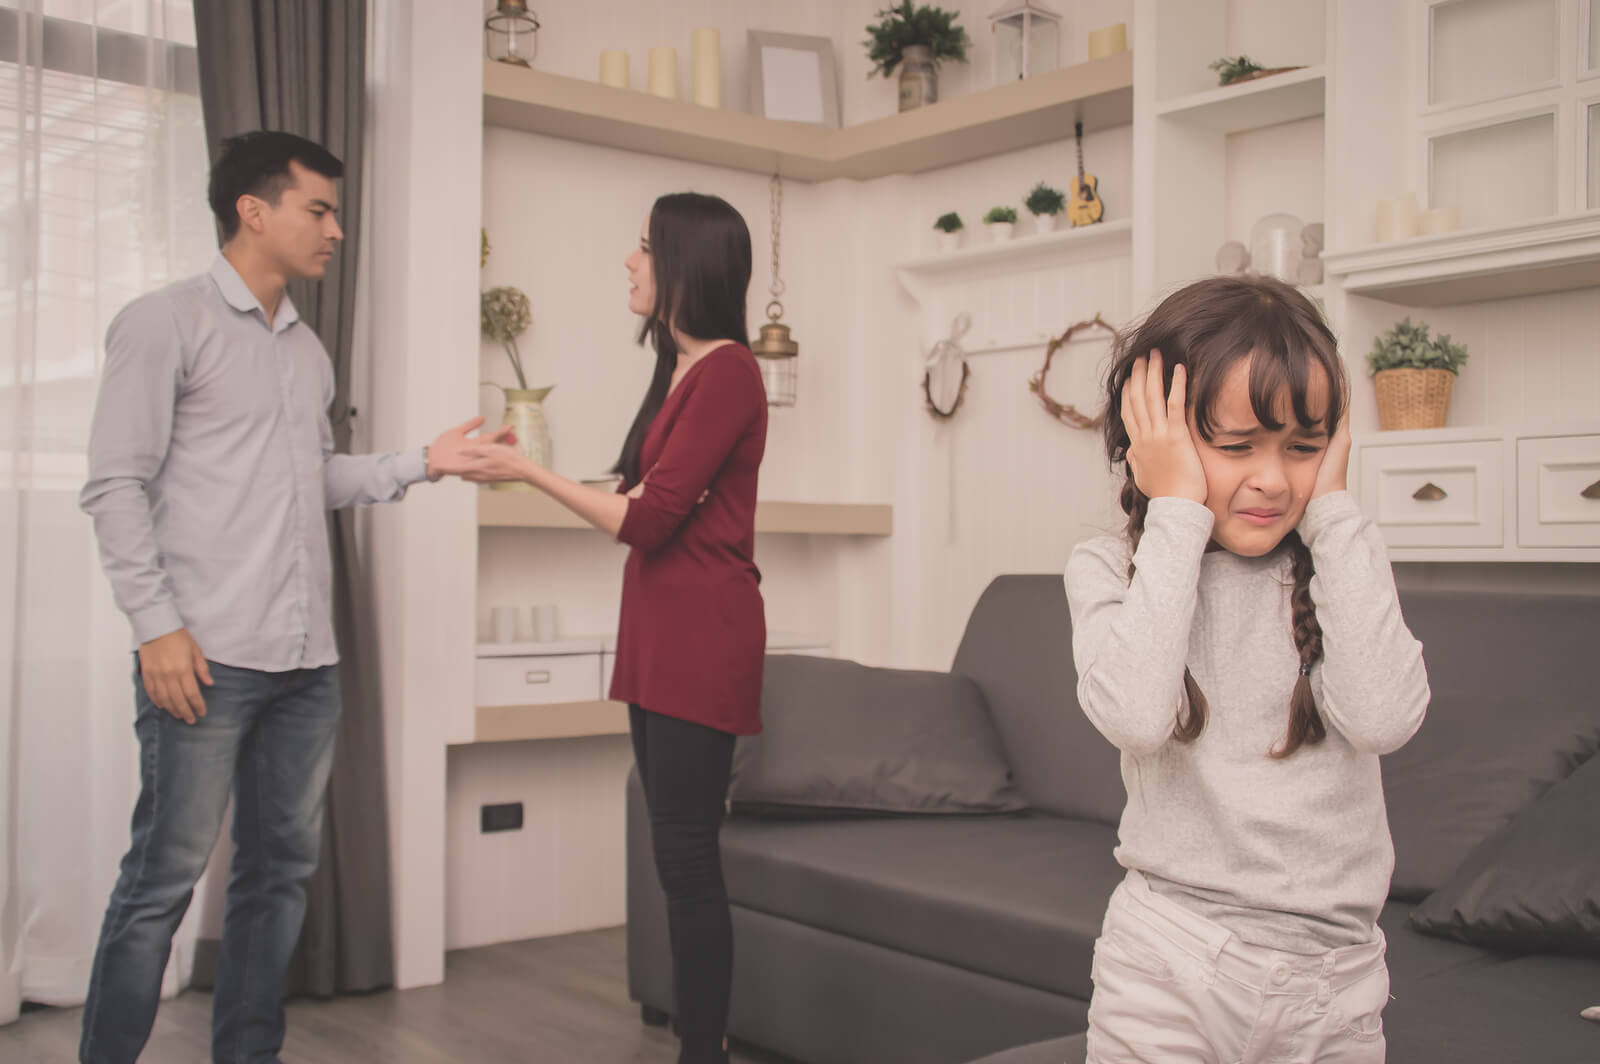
210,465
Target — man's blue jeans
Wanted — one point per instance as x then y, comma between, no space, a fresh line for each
268,738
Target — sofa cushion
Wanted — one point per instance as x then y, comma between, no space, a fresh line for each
1018,647
1522,646
1535,885
842,737
1019,898
1476,762
1495,1010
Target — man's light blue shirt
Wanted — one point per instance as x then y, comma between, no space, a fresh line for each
211,464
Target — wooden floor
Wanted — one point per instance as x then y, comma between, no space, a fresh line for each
545,1001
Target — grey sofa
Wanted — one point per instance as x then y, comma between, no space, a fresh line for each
930,939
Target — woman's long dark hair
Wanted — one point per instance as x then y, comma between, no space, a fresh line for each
700,258
1209,327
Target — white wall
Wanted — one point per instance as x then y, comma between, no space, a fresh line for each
423,290
562,216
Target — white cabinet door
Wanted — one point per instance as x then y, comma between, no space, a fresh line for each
1558,491
1435,494
536,680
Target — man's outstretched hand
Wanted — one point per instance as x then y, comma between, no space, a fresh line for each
447,455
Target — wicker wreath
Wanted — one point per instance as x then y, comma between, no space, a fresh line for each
927,393
1066,413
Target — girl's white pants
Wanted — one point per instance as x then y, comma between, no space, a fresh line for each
1172,987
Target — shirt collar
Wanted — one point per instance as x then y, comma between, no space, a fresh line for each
240,298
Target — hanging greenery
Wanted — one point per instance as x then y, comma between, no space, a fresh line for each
905,25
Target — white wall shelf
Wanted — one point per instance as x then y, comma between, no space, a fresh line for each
1255,104
518,509
1007,117
1020,253
1527,258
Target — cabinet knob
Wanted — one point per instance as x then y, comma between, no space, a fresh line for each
537,676
1429,492
1592,491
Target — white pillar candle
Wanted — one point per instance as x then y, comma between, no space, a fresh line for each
614,69
664,72
1111,40
1438,220
705,64
1397,218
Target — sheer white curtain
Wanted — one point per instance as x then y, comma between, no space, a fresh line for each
102,191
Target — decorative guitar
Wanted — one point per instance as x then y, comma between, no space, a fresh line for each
1084,206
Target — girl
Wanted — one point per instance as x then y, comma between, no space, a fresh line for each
1242,645
692,633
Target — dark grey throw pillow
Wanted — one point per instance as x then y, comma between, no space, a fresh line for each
1476,762
1534,886
839,738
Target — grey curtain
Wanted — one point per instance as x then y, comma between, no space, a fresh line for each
300,66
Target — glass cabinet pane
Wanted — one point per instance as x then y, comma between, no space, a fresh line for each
1487,49
1498,173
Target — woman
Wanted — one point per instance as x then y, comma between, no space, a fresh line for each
692,633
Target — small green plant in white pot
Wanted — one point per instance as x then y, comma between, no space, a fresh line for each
1044,203
950,229
1001,221
1414,373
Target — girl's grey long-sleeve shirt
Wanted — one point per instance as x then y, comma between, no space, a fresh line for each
211,468
1291,853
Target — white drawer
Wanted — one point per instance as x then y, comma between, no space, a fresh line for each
1553,475
1435,494
536,680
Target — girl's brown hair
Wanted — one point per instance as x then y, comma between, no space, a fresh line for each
1208,327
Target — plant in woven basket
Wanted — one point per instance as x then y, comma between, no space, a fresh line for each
1000,214
505,314
1413,372
905,25
1408,346
1045,200
948,223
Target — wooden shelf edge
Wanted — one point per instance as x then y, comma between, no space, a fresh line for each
519,509
1005,118
561,720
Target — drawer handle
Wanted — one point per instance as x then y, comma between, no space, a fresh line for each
1429,492
1592,491
537,676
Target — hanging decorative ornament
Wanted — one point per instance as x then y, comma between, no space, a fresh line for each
941,377
775,351
1066,413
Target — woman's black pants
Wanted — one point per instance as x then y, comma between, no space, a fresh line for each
684,768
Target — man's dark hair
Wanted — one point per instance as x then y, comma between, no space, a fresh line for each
257,164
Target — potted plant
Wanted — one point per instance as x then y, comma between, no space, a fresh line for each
915,39
1044,203
950,227
504,314
1414,372
1000,221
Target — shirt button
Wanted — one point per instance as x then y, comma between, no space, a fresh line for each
1280,974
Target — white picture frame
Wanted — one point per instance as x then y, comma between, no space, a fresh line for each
792,78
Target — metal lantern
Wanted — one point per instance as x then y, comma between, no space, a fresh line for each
1027,40
779,359
511,34
776,352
